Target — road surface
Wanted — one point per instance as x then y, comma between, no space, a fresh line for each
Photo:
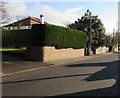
92,77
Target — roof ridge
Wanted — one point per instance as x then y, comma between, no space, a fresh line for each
35,17
24,21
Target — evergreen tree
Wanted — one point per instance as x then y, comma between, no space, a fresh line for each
94,29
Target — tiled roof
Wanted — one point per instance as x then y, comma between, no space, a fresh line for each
26,22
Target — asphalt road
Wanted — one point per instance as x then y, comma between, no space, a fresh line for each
92,77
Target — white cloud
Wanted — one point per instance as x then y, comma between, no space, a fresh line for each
53,16
67,0
16,8
110,25
72,10
110,21
58,18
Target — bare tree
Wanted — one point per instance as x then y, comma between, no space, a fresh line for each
66,23
4,15
21,17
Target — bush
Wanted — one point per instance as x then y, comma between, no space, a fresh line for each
16,38
44,35
60,37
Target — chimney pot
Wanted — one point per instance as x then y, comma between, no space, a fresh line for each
42,19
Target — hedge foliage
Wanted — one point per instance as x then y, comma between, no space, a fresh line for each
44,35
60,37
16,38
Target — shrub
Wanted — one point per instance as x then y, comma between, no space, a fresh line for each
45,35
16,38
60,37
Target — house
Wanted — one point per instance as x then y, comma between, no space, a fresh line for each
23,24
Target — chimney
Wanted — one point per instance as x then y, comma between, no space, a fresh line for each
42,19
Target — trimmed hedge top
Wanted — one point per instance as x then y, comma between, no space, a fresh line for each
60,37
45,35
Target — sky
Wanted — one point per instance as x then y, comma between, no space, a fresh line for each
62,12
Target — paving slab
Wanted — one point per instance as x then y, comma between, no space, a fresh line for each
13,65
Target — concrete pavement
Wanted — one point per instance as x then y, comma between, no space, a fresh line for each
12,65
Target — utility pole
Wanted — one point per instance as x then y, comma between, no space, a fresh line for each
88,50
90,36
118,36
113,32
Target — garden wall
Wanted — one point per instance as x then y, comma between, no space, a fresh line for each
46,53
102,50
116,49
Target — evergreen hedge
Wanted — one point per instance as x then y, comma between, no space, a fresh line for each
60,37
44,35
16,38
